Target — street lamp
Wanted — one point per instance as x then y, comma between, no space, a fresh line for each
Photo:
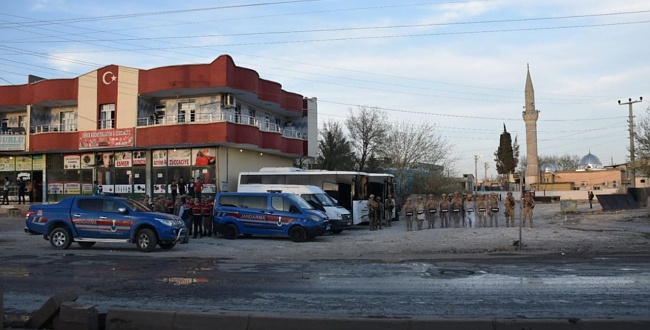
632,175
476,158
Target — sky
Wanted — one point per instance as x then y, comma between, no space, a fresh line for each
457,65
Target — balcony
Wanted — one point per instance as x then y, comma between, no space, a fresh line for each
219,117
5,130
53,128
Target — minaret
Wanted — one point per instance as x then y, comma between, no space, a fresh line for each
530,118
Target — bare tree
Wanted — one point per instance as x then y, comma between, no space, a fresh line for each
642,139
367,130
334,149
412,147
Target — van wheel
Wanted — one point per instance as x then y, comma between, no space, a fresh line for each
230,231
297,234
146,240
60,238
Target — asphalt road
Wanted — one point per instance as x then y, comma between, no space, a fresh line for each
529,286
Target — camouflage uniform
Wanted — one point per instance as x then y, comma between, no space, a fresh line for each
456,208
510,210
493,210
432,208
482,207
409,211
470,215
372,212
380,212
529,204
444,211
419,213
389,205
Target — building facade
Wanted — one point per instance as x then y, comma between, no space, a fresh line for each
135,130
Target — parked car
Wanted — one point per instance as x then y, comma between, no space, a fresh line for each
267,214
91,219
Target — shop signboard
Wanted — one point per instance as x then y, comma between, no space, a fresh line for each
12,142
7,164
23,163
106,138
179,157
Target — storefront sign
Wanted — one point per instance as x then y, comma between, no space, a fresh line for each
139,158
12,142
38,162
71,162
23,163
87,160
179,157
87,188
159,158
106,138
55,188
7,164
72,188
123,159
204,157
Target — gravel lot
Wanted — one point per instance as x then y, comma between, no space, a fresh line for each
585,231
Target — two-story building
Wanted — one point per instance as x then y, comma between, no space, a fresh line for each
135,130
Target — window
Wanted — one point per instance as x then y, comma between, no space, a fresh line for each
107,116
185,108
93,205
615,183
67,121
22,121
253,202
251,117
282,204
111,206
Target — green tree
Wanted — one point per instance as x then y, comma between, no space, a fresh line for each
505,158
334,149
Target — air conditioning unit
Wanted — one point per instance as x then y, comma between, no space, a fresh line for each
605,184
228,100
584,183
160,109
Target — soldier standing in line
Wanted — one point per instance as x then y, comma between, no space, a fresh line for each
409,209
481,206
463,198
419,210
510,210
380,212
470,216
372,212
389,205
529,204
444,211
432,208
493,210
456,208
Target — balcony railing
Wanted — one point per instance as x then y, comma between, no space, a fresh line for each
12,130
53,128
212,117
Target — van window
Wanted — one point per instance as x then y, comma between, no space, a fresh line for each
282,204
229,201
253,202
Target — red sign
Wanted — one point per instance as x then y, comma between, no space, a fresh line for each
106,138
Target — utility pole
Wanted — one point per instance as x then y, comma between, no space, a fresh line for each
476,157
631,171
485,178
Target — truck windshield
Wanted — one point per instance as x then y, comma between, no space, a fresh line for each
136,206
325,199
300,202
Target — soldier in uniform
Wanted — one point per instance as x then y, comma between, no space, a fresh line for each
409,209
456,208
432,208
389,205
463,198
380,212
372,212
444,211
482,210
470,215
419,213
493,210
529,205
510,210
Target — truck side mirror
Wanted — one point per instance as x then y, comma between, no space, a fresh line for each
122,210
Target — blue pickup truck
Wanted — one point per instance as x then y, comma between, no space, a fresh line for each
91,219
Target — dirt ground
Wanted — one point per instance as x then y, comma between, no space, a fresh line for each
587,230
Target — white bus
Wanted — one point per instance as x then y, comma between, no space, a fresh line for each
348,188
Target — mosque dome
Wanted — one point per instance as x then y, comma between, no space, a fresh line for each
590,162
550,168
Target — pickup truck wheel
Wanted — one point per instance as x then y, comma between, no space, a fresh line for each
297,234
230,231
167,246
146,240
60,238
86,245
